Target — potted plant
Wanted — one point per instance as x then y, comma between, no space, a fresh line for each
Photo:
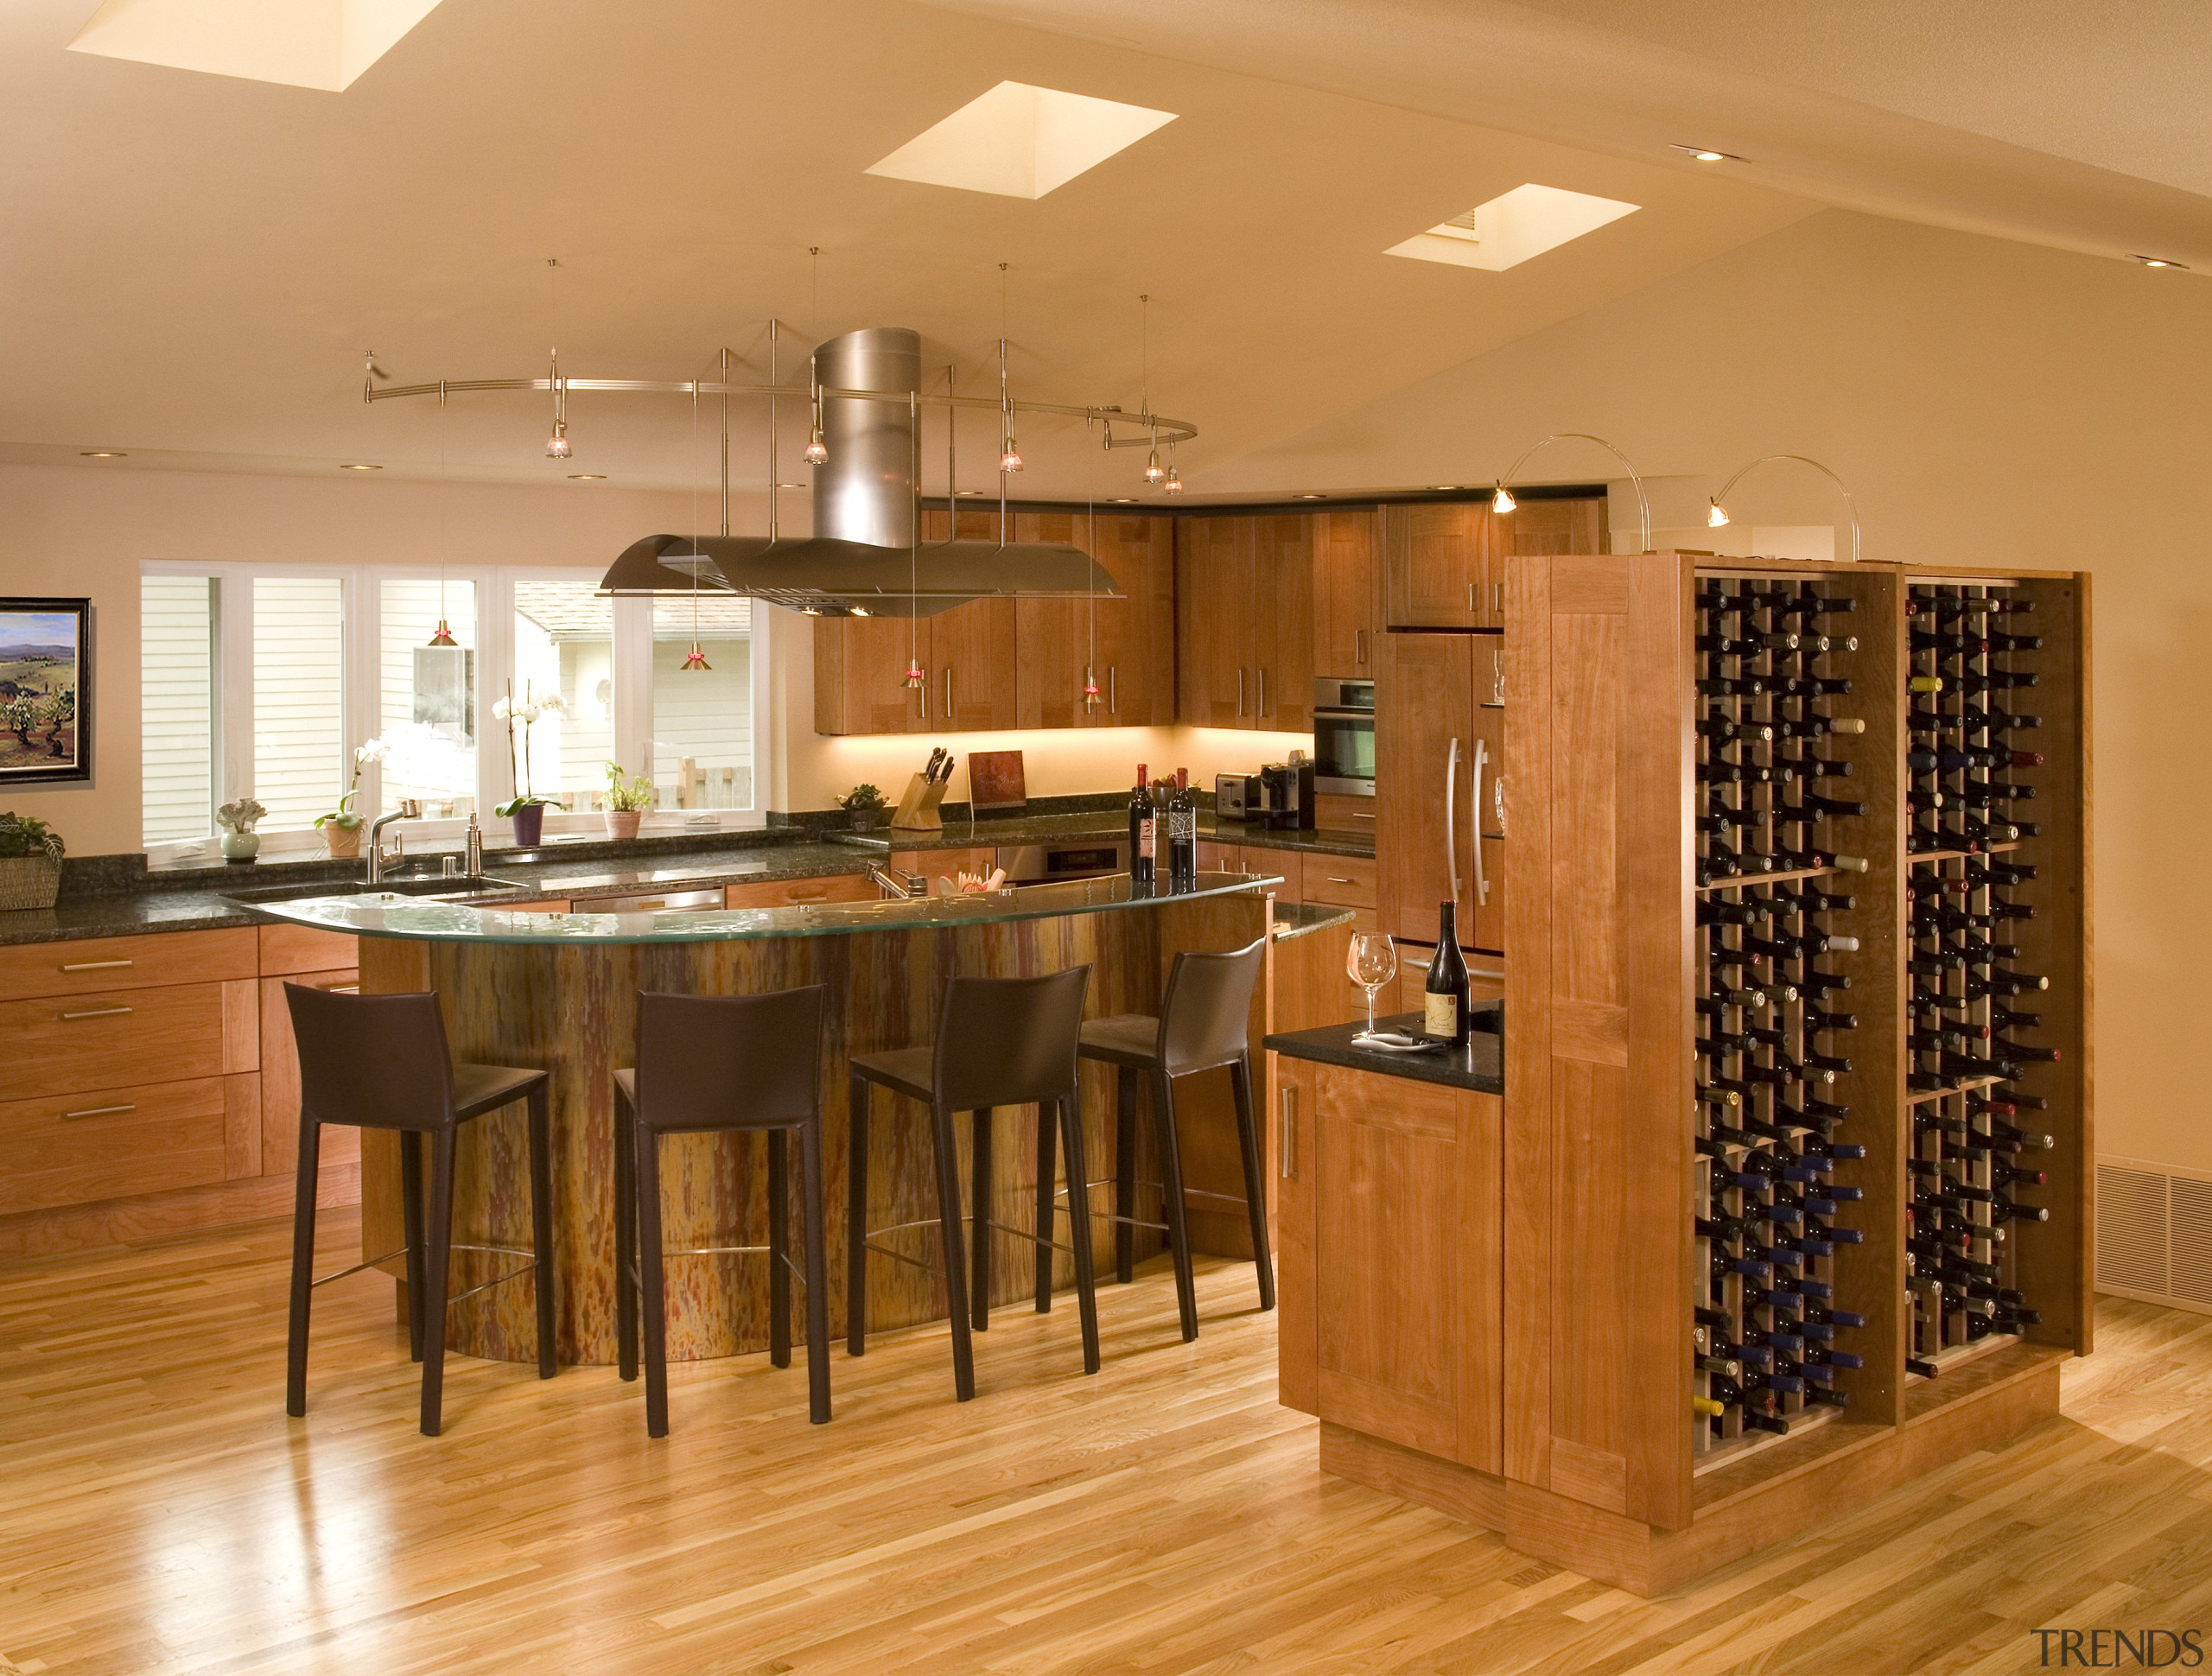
525,809
241,843
863,806
341,827
628,797
30,863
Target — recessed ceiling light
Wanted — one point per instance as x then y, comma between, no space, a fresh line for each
325,44
587,477
1121,500
964,493
102,453
1512,227
360,469
1020,141
1443,488
790,486
2162,262
1307,495
1705,153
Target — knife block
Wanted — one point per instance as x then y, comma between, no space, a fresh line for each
917,808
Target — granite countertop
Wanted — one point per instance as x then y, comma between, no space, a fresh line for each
1052,829
1299,920
1479,1066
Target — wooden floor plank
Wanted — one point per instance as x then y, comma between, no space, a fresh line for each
1164,1518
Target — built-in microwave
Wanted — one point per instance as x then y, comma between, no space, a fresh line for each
1344,737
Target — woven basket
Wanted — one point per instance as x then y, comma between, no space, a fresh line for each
28,881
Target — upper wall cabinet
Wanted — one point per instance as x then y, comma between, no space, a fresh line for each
1347,593
1443,562
1005,662
1245,610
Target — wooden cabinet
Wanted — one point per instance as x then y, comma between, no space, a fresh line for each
1339,881
80,967
1391,1259
1444,563
1347,593
74,1149
280,1073
1439,743
1336,812
1244,622
1000,664
801,893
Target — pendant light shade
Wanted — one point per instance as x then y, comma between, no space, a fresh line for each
696,659
443,636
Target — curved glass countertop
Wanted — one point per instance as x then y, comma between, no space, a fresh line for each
379,914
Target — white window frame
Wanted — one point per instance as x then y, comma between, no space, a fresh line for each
361,603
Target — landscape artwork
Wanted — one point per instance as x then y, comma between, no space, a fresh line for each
45,662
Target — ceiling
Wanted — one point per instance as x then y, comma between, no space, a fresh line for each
193,263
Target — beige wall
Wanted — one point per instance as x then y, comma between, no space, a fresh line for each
1989,403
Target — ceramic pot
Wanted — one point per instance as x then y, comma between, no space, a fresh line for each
342,843
530,825
865,820
623,822
243,846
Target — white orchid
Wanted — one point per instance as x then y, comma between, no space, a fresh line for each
529,706
369,751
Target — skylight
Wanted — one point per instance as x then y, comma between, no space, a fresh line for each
1020,141
1512,227
325,44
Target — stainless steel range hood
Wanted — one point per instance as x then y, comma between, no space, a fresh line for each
863,557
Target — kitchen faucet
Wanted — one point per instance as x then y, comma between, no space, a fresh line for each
409,810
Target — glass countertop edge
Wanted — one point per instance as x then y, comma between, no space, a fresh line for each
415,920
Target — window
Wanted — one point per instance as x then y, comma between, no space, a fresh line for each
262,681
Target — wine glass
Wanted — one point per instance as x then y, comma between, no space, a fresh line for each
1371,962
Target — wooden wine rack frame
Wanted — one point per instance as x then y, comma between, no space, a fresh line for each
1605,1466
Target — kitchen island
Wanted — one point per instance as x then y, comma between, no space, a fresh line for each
558,992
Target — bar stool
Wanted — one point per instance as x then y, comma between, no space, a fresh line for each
380,1062
999,1041
716,1063
1204,1024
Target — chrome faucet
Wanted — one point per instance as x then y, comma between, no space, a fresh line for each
409,810
898,885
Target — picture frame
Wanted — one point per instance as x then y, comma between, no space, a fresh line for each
46,690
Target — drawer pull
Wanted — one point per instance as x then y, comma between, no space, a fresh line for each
99,1012
1334,879
100,1111
96,965
1287,1164
807,896
1358,814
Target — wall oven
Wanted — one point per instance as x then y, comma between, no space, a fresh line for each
1344,738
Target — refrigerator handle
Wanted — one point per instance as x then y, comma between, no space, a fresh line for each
1475,819
1452,816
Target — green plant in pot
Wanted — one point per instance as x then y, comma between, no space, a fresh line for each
341,827
525,809
30,863
863,806
628,797
237,818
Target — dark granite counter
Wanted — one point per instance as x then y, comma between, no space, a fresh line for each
1479,1066
122,914
1299,920
1053,829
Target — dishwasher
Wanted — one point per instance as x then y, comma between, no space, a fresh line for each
656,902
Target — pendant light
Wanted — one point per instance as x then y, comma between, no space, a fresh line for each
556,445
817,451
694,659
1009,455
1174,484
442,635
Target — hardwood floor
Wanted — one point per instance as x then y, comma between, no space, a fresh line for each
159,1513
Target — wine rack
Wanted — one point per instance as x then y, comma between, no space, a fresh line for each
1771,1076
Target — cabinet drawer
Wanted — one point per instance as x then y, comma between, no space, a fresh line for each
287,949
117,1038
801,893
94,964
77,1149
1339,881
1335,812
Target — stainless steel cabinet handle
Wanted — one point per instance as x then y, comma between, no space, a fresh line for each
1361,814
1452,818
94,965
1498,599
1262,710
1286,1162
806,896
948,692
1470,597
1359,646
1240,692
1334,879
1113,689
99,1012
1475,824
100,1111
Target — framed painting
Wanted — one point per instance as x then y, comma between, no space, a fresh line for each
46,690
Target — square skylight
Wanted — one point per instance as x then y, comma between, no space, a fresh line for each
1512,227
325,44
1020,141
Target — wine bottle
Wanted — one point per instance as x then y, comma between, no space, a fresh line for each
1182,834
1144,832
1444,1000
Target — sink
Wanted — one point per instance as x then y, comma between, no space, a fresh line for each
427,886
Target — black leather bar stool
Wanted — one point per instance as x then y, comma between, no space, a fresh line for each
1204,1024
999,1041
712,1064
380,1062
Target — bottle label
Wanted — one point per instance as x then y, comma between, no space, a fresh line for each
1148,839
1440,1016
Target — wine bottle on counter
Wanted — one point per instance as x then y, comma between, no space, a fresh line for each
1144,832
1182,835
1444,1003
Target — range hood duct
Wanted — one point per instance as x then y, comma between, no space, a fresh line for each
863,558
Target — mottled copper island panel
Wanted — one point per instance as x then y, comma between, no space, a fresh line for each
572,1008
